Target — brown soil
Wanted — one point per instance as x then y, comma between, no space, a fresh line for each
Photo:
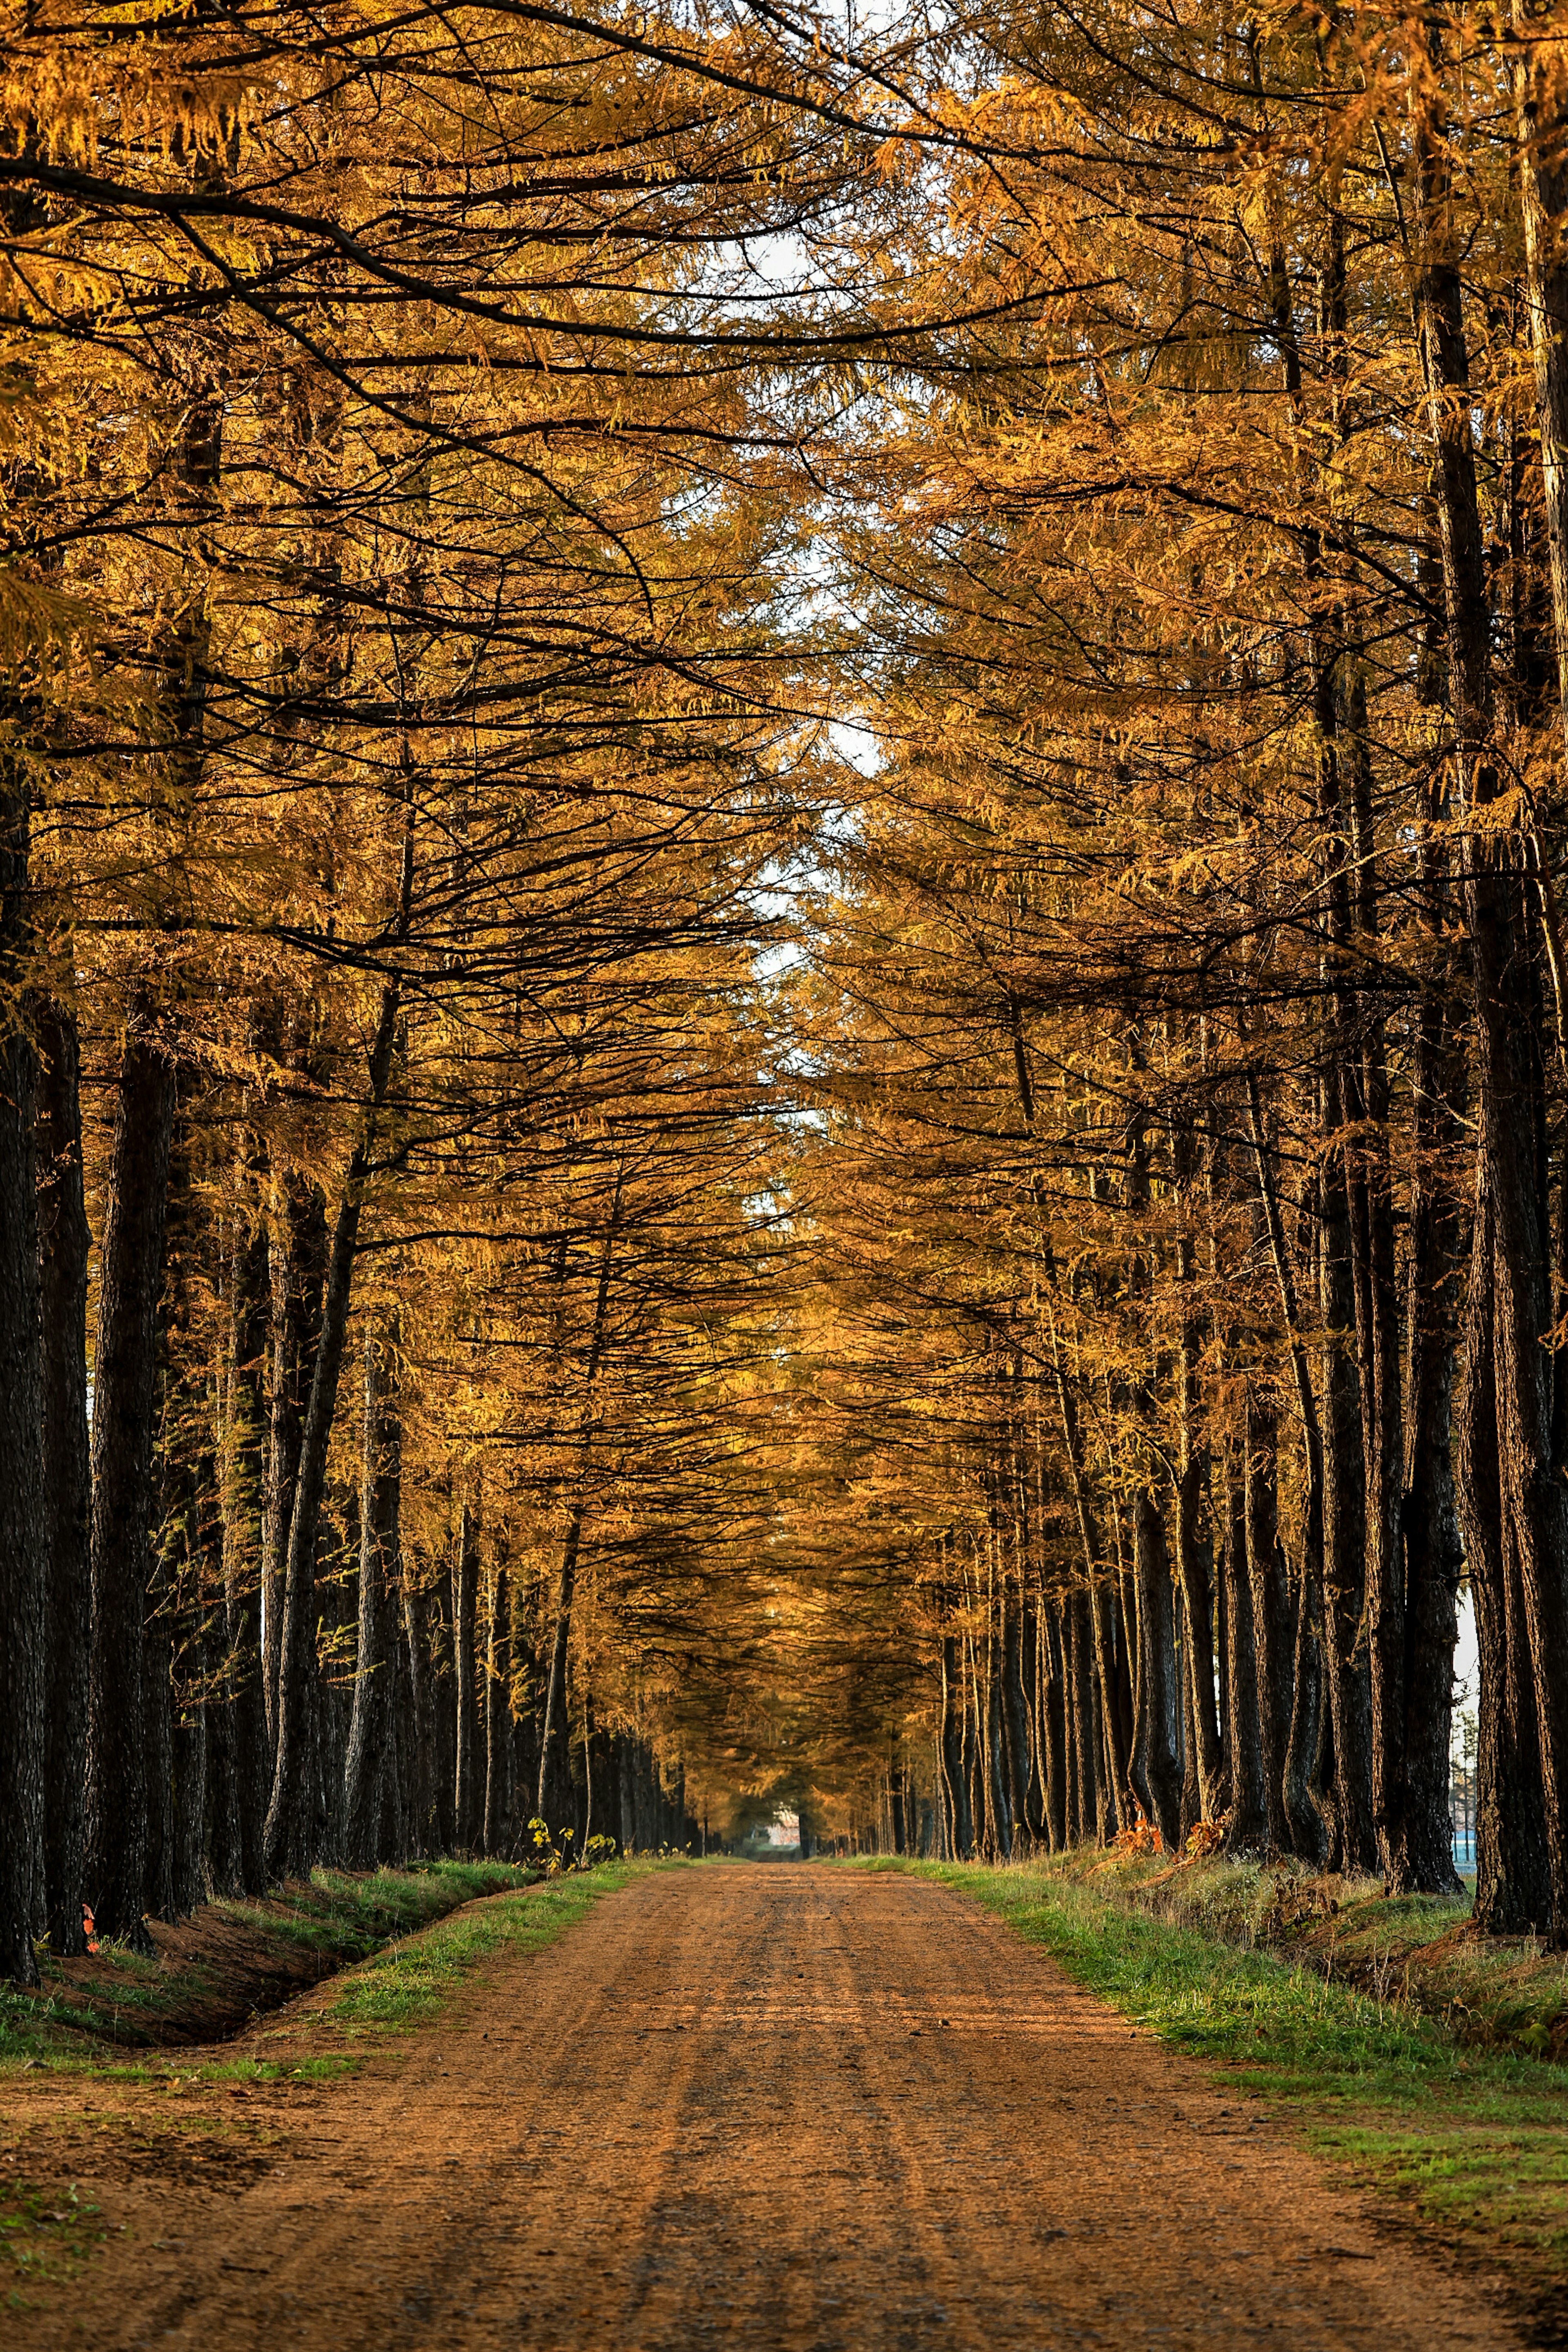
779,2107
216,1971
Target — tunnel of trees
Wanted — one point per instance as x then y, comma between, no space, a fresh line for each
782,992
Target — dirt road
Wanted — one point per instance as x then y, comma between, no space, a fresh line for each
778,2107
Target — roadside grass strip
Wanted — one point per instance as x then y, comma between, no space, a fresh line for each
112,2020
405,1985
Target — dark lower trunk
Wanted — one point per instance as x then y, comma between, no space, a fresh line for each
244,1507
422,1836
158,1719
1513,1885
124,1423
1053,1716
959,1815
1156,1765
1015,1709
199,1582
23,1528
1109,1693
1273,1615
443,1713
64,1243
1250,1831
1080,1704
371,1724
1344,1541
498,1716
1310,1834
298,1262
467,1795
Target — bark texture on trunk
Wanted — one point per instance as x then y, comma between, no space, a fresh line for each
1273,1617
124,1427
497,1711
960,1818
466,1800
370,1725
24,1532
1156,1761
244,1512
299,1261
64,1243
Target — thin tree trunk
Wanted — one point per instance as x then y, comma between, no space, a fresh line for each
124,1424
64,1242
298,1274
497,1711
960,1820
466,1800
421,1707
371,1724
24,1524
1344,1533
245,1449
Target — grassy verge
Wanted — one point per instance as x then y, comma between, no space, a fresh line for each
406,1986
1469,2142
234,1960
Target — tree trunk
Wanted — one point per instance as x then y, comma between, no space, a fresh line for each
245,1449
24,1523
1513,1882
465,1594
1080,1706
200,1580
1273,1618
497,1711
960,1818
124,1424
1250,1830
1429,1531
64,1242
371,1724
1344,1532
1156,1767
1053,1716
421,1709
298,1273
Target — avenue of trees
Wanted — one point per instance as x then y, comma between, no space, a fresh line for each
781,982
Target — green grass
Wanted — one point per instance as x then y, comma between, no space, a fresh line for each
45,2237
406,1986
339,1917
1470,2142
